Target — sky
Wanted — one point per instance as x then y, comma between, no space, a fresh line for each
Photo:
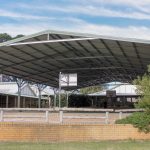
119,18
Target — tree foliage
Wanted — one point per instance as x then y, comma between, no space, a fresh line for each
141,120
18,36
6,37
90,89
143,88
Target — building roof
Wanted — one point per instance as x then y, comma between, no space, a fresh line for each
11,88
96,59
121,90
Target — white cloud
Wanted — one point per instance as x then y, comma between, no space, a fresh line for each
14,29
5,13
127,32
76,25
88,7
64,23
141,5
94,10
133,3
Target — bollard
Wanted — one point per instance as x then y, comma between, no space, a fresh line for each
47,115
61,116
1,116
120,115
106,119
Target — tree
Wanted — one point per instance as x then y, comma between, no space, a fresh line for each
141,120
20,83
143,88
90,89
40,87
18,36
5,37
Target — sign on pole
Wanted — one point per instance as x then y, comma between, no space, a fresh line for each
68,80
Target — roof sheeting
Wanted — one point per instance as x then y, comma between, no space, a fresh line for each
11,88
121,90
96,59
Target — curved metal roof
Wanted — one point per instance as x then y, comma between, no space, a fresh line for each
96,59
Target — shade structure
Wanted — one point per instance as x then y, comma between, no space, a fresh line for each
96,59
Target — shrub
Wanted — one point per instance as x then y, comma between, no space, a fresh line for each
140,120
143,88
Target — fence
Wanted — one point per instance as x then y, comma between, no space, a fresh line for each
104,118
121,111
2,113
82,115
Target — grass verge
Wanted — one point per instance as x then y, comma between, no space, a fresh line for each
103,145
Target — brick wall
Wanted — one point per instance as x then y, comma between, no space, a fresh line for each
50,133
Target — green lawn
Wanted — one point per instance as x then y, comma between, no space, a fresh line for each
108,145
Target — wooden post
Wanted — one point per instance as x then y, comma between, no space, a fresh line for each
59,95
15,102
92,102
120,115
67,98
54,100
49,102
47,115
61,116
106,119
30,102
24,102
6,101
1,116
39,100
19,96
